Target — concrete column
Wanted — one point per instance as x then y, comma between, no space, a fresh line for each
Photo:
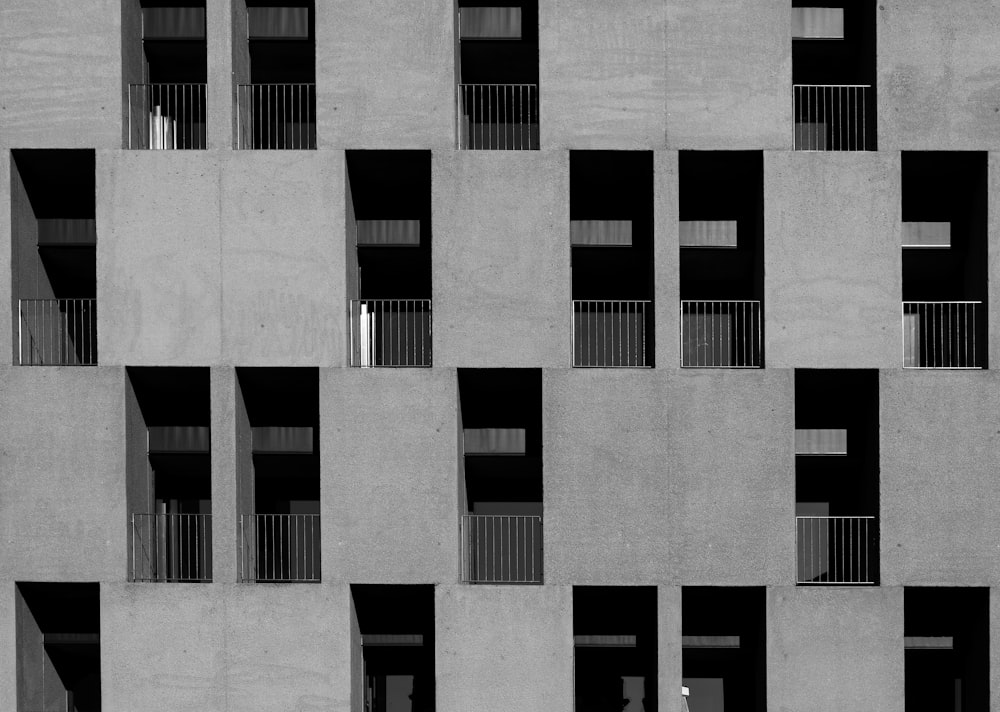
993,256
219,99
669,659
666,260
224,520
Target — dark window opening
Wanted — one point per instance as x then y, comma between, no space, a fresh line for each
615,648
946,641
58,646
500,479
396,626
389,257
53,257
723,653
169,474
721,235
611,234
944,212
837,476
278,473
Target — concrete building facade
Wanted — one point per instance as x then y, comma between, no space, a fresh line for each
268,539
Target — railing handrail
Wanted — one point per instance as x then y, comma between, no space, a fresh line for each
393,299
56,299
836,550
835,86
279,514
834,516
278,84
956,301
170,514
613,301
503,516
720,301
167,84
476,84
170,546
287,555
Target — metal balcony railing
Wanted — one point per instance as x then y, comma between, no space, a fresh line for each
941,335
166,116
501,548
612,334
836,550
57,332
279,548
721,334
171,547
390,332
500,117
276,116
832,117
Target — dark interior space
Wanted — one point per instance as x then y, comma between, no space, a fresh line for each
947,657
282,41
850,60
58,646
723,648
615,653
173,42
613,185
501,61
397,635
503,398
723,185
392,185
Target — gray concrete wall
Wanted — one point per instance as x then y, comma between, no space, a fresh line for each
729,74
940,506
834,649
225,522
666,260
501,270
832,261
61,66
938,84
490,660
390,513
993,256
601,74
133,60
138,489
62,494
219,24
384,74
8,646
668,648
8,285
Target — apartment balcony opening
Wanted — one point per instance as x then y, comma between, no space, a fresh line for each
946,649
721,236
168,463
278,481
53,257
945,228
165,70
611,237
833,75
723,654
274,74
58,644
500,475
614,654
389,258
497,71
392,646
836,477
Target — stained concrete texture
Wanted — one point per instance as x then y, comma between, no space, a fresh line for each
501,259
940,507
385,74
834,649
501,648
215,257
686,477
666,260
61,66
729,74
389,475
62,493
601,74
938,75
832,261
232,648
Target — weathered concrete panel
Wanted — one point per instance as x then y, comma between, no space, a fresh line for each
669,652
835,649
61,66
158,266
731,505
666,260
385,75
501,648
729,74
389,472
501,259
940,442
832,260
939,75
601,74
224,648
606,477
62,455
284,300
